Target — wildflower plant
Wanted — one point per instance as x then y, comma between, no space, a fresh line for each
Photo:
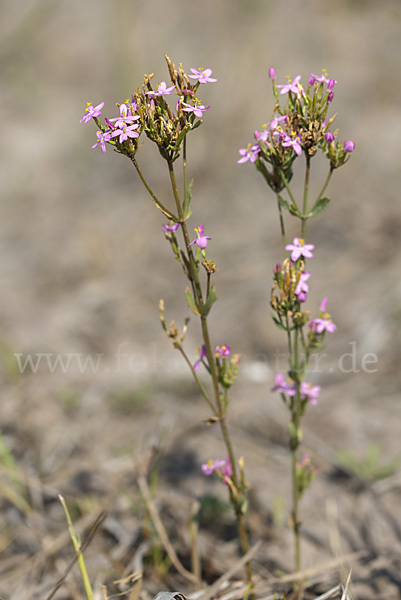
300,128
166,114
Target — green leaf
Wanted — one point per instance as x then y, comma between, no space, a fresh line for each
188,197
279,325
211,299
191,302
283,203
318,207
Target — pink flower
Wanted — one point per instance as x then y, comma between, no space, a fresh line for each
125,131
249,153
222,466
102,138
310,392
202,239
203,76
295,142
349,146
323,324
302,287
299,248
292,86
202,354
124,117
92,111
272,73
198,109
223,351
283,386
172,227
161,90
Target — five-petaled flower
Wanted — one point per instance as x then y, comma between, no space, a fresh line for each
202,239
125,131
299,248
322,324
309,392
198,109
102,138
92,111
249,153
124,117
284,386
295,142
202,75
292,86
161,90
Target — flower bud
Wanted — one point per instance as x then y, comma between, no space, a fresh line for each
329,137
349,146
331,84
272,73
311,80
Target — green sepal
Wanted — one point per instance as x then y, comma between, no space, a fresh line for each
318,207
188,197
191,302
211,299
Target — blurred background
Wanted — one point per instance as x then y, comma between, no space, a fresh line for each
83,260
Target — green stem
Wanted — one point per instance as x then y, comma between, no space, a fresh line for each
198,381
296,417
280,214
306,193
210,357
326,183
157,202
287,187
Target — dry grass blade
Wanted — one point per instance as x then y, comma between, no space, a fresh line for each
345,595
314,571
329,594
157,522
221,581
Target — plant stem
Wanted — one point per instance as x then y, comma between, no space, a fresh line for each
280,214
157,202
306,193
212,366
326,183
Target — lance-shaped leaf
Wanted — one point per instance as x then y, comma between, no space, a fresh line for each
210,300
191,302
188,197
318,207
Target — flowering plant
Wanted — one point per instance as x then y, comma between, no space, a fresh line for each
167,125
299,128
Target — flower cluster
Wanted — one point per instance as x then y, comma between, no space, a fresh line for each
149,111
227,365
299,127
